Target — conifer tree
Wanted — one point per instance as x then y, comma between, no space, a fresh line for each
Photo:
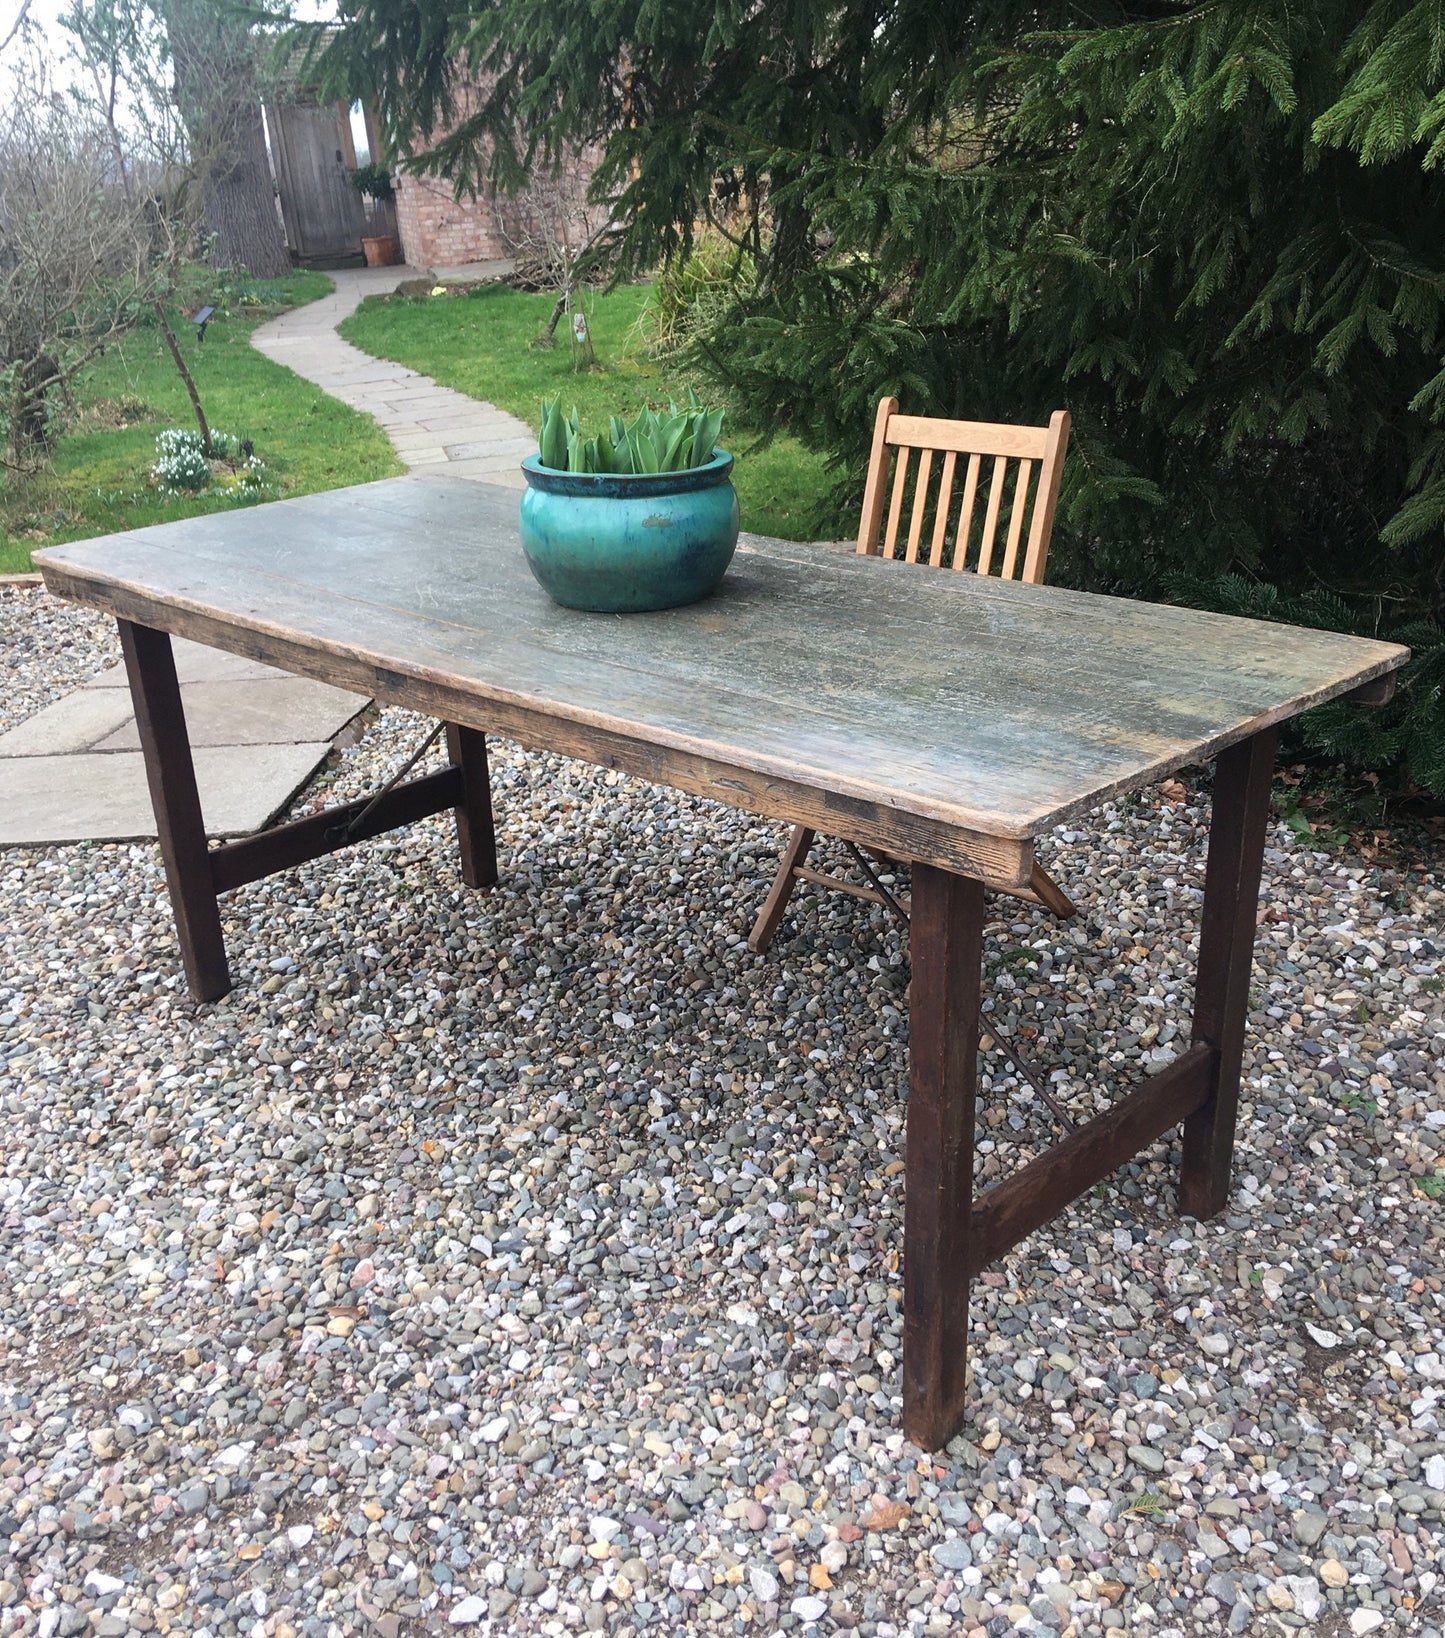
1213,229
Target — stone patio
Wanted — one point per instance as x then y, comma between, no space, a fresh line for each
74,771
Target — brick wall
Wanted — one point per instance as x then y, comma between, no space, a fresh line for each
440,231
437,230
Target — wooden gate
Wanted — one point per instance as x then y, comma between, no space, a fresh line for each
322,211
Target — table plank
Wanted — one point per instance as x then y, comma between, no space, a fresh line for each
950,702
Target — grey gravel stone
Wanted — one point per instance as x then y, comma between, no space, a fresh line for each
954,1554
408,1261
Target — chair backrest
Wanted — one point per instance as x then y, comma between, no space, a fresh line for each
958,537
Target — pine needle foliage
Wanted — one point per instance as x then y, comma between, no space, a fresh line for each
1212,229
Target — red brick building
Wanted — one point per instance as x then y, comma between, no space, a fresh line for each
438,230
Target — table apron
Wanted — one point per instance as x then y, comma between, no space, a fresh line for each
1000,861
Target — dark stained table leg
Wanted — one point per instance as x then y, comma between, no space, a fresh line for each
1242,782
171,774
946,939
467,749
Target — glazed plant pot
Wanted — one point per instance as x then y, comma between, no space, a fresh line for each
626,543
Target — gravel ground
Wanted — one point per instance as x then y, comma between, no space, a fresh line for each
48,648
528,1261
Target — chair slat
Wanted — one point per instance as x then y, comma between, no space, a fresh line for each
945,500
920,502
963,539
968,437
990,517
1016,518
895,505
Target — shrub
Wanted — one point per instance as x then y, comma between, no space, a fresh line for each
692,292
374,180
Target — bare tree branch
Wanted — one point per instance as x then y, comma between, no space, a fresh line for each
553,232
85,249
17,25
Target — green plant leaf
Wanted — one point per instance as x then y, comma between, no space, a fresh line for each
705,435
552,442
580,451
655,442
644,455
668,441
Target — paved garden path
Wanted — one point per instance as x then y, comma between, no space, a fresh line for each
431,426
73,772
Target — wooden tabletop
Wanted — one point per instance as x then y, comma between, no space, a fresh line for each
946,713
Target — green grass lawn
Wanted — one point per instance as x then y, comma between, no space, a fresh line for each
99,482
480,343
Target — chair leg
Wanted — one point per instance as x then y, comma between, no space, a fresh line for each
1050,894
799,844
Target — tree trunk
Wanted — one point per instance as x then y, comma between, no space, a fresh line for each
31,435
549,335
218,84
240,204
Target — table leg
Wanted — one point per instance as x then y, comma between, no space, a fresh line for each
1243,778
171,775
476,835
946,940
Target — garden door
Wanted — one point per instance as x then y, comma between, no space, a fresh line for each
322,211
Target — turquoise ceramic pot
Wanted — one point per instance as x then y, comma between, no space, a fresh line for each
620,543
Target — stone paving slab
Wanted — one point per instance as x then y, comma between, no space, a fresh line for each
73,772
72,724
102,796
255,711
478,448
501,471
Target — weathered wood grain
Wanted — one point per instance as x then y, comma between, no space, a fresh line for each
1243,779
789,866
950,436
1379,691
284,846
945,719
171,775
821,687
938,1255
476,833
1039,1191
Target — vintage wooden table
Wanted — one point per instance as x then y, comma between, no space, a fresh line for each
945,718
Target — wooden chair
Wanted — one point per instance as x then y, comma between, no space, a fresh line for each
959,540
